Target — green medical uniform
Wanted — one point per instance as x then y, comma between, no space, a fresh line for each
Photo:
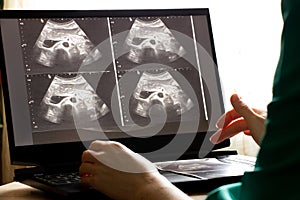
277,170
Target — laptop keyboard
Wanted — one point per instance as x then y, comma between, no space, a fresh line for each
59,179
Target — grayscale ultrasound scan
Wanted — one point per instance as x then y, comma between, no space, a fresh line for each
64,43
152,40
76,68
153,53
160,89
67,97
145,40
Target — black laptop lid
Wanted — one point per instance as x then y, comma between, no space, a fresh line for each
146,78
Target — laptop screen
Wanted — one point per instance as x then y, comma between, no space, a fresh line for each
146,78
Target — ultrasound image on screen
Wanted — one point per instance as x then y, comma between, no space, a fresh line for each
154,50
164,90
152,41
64,44
160,89
57,100
145,66
66,97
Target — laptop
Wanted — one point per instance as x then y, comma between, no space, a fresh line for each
146,78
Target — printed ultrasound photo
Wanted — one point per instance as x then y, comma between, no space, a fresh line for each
145,40
56,100
61,45
206,168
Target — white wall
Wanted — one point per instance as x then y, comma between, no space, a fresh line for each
247,40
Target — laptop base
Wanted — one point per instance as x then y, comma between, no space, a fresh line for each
187,184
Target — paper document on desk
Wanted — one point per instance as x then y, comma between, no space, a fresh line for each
209,168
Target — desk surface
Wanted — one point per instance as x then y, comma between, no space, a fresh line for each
19,191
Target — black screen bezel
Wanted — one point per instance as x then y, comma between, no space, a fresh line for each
71,152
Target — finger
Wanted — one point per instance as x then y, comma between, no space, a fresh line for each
98,145
118,145
247,132
88,169
88,157
93,162
229,131
227,118
242,108
263,113
87,180
107,145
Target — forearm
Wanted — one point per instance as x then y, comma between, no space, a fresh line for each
159,187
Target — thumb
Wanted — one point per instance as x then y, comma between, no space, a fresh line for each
255,122
240,107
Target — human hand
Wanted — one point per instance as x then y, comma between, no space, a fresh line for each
120,173
241,118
